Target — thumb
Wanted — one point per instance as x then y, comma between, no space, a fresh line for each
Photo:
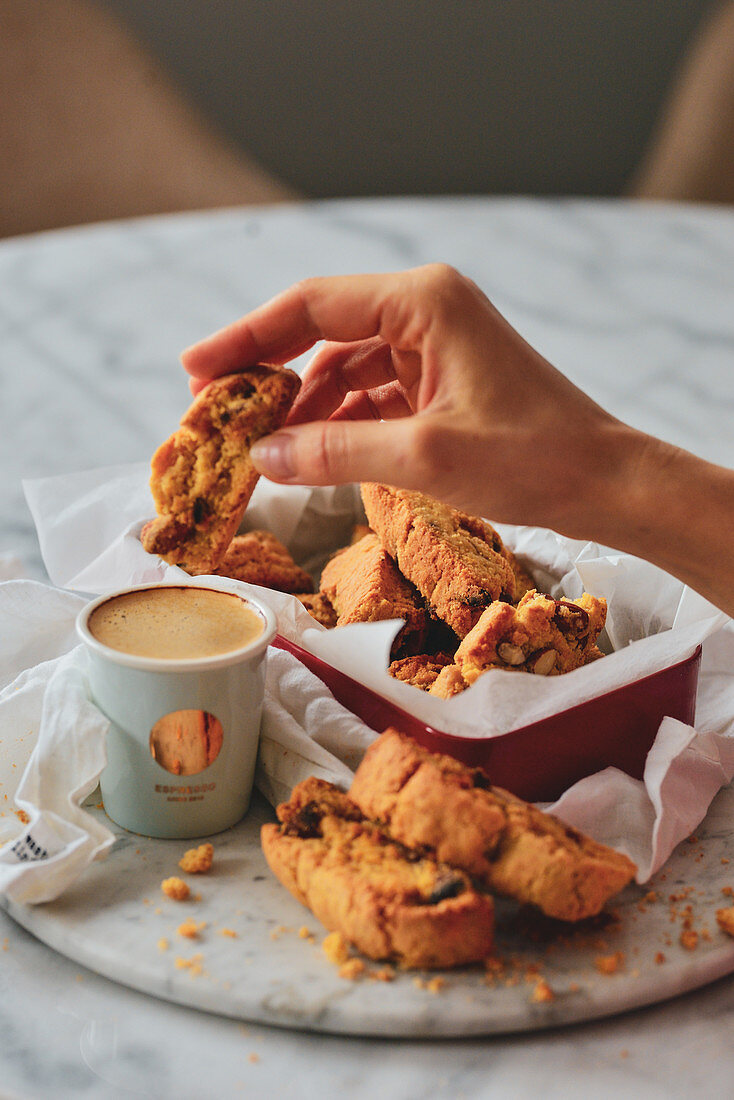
332,452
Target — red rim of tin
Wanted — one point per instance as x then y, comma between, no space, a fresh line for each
540,761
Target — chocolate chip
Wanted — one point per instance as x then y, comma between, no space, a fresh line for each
306,823
446,886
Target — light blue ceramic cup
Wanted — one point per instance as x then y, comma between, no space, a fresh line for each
183,735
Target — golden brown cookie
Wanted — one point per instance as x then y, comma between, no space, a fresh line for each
388,902
434,803
202,477
259,558
456,561
540,635
364,586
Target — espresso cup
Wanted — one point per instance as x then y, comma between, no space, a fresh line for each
179,671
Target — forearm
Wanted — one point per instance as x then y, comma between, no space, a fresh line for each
675,510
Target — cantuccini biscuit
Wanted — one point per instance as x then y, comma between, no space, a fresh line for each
540,635
364,585
456,561
388,902
437,805
202,477
258,557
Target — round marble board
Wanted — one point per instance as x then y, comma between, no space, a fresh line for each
252,959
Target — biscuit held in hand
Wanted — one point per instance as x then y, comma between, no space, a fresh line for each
202,477
450,811
390,903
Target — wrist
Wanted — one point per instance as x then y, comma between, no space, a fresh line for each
674,509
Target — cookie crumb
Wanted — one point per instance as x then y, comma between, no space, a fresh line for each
197,861
352,969
228,932
660,958
190,928
384,974
542,994
175,888
253,1058
725,920
689,939
193,965
609,964
163,944
305,933
336,948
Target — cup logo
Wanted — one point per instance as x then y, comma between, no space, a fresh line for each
185,742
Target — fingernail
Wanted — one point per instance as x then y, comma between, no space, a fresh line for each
273,456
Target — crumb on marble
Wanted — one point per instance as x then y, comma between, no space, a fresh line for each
163,944
175,888
660,958
542,993
197,861
432,985
253,1058
228,932
689,939
352,969
190,929
193,965
725,920
336,948
609,964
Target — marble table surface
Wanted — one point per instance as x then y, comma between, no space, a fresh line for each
633,302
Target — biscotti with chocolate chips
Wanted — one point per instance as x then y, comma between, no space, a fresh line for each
387,901
202,477
435,804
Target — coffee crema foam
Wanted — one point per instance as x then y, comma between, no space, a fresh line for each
175,623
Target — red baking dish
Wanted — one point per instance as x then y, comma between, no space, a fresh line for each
540,761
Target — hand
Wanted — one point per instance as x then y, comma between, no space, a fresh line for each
424,385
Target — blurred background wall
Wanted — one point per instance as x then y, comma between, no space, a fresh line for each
428,96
